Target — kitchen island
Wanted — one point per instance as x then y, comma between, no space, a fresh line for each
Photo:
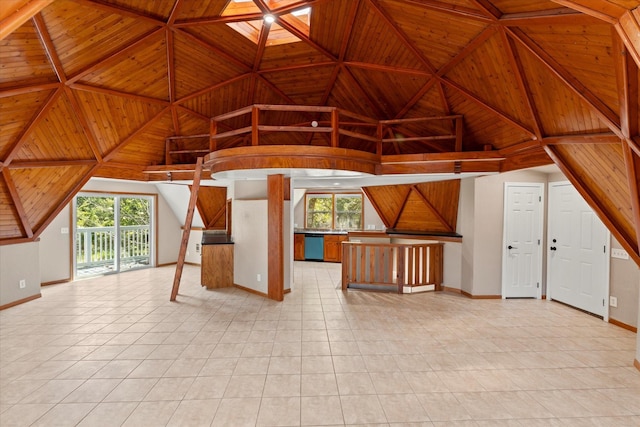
217,261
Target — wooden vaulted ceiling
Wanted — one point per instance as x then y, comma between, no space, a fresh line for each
100,88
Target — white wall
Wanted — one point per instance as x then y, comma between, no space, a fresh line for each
55,249
250,257
466,227
19,262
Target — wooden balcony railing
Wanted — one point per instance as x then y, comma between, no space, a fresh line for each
404,268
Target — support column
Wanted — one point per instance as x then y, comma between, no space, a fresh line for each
275,237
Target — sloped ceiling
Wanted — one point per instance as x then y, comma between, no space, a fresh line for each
104,87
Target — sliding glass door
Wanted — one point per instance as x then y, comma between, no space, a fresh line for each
113,233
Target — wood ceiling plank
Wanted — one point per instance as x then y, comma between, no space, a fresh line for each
487,72
24,60
431,208
35,121
111,154
10,224
602,110
16,114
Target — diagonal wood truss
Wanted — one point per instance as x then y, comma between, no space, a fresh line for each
536,81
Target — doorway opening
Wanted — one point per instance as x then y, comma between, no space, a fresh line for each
112,233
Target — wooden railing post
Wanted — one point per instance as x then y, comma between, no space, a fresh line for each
400,268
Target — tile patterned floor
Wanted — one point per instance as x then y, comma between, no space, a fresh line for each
113,351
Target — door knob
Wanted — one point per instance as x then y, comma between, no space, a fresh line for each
553,248
511,247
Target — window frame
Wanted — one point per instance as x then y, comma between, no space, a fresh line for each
333,196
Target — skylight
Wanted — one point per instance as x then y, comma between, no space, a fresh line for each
276,25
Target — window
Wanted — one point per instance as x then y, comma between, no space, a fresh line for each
334,211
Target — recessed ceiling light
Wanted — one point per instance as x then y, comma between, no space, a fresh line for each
269,19
336,184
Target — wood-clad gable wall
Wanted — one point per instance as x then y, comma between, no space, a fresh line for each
429,206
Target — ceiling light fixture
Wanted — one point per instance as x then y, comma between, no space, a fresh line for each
269,19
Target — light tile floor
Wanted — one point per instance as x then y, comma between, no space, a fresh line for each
113,351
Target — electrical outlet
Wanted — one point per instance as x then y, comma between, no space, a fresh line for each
619,253
23,284
64,230
197,248
613,301
258,277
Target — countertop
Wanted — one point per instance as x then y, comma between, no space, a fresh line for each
322,232
216,239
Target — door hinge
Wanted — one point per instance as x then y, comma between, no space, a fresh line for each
538,242
603,302
538,285
539,198
604,249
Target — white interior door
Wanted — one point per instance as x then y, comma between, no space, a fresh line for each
522,235
578,242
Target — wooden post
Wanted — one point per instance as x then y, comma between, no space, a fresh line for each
187,228
335,128
275,237
213,129
255,119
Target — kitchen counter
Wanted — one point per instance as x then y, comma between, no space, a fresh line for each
216,239
322,232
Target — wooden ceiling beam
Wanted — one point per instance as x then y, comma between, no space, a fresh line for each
13,16
485,5
627,79
50,164
45,38
402,36
600,108
84,124
453,9
262,44
117,10
488,107
523,84
604,10
17,203
387,68
217,20
629,30
548,17
593,138
21,90
296,67
13,151
113,57
174,12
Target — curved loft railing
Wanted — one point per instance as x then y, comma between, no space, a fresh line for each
248,139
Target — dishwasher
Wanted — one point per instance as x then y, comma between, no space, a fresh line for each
314,247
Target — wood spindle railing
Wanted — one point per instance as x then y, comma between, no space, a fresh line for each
387,266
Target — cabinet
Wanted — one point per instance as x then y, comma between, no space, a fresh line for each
298,247
217,266
333,247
